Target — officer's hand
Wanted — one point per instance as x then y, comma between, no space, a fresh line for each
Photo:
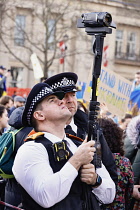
85,152
88,174
83,155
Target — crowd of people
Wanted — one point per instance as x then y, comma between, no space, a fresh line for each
55,167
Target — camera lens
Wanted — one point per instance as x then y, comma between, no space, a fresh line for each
61,153
107,19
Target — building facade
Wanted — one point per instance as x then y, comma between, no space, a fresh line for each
49,29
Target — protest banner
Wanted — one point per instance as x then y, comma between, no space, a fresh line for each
113,90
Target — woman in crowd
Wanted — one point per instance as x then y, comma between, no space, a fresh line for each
114,137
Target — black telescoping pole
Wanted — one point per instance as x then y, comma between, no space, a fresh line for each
93,105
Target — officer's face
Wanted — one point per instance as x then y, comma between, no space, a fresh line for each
70,101
53,109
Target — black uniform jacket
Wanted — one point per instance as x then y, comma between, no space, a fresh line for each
81,121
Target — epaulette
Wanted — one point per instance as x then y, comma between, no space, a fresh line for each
34,136
74,137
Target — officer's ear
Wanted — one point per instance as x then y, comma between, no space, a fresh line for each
38,115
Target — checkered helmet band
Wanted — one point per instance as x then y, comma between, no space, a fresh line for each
37,98
63,83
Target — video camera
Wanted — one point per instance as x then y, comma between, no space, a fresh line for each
96,22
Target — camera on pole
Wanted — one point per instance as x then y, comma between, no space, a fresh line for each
97,24
96,20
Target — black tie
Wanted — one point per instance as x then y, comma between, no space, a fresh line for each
69,130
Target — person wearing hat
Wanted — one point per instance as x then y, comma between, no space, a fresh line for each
49,166
3,76
77,125
19,101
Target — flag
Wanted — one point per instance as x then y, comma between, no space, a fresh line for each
81,86
105,56
135,97
63,48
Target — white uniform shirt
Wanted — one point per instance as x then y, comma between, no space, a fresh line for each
32,170
73,126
